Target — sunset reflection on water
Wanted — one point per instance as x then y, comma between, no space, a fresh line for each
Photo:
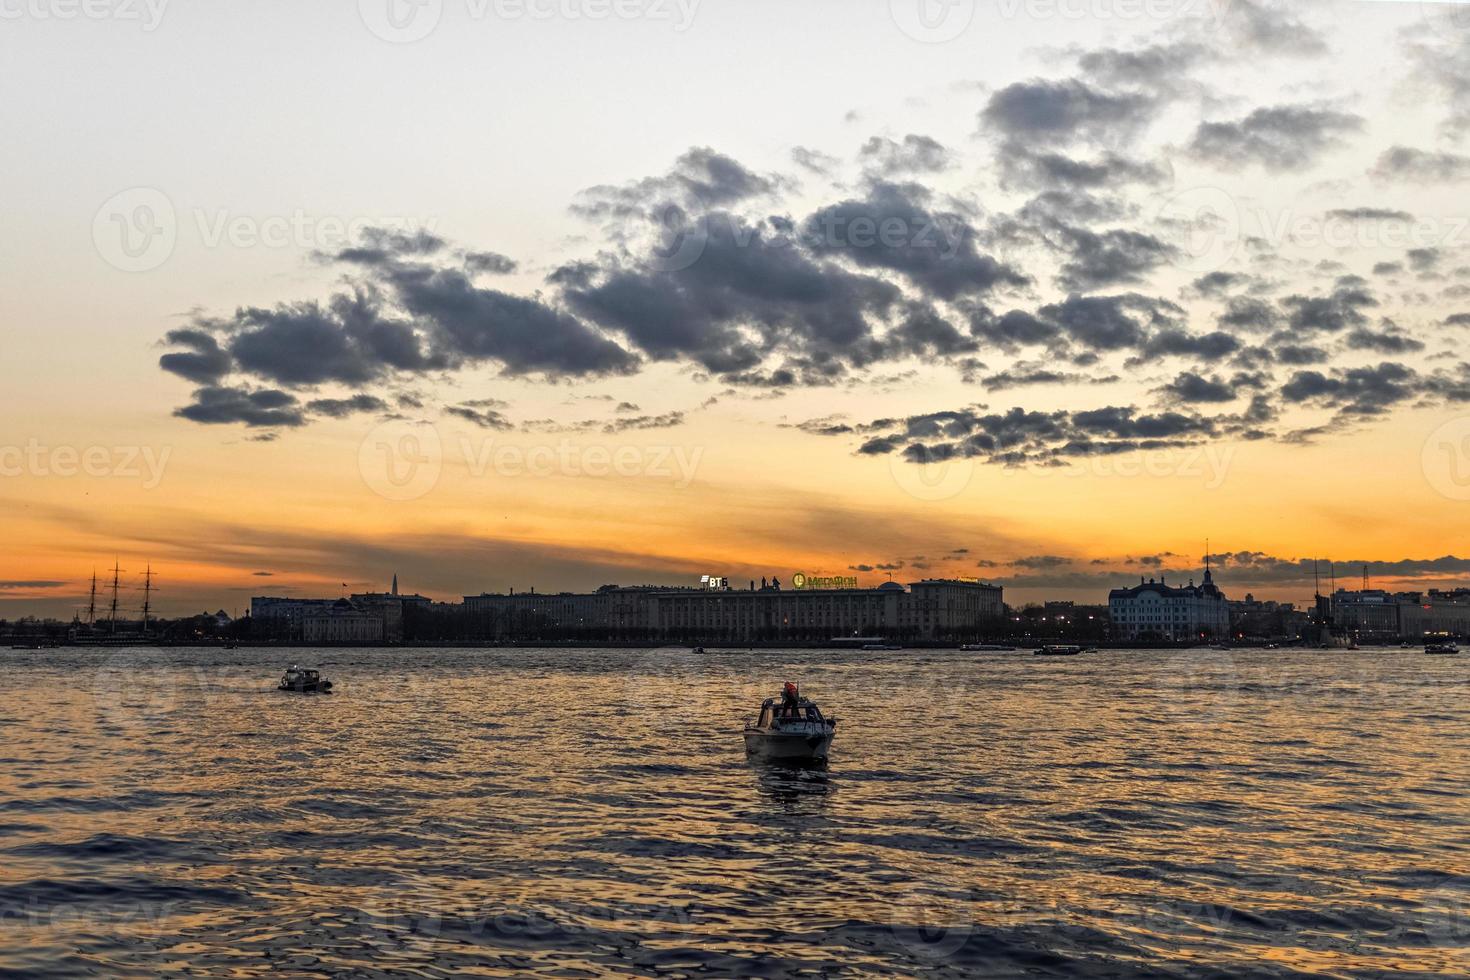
516,812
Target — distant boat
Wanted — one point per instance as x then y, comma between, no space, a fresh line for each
982,647
1059,650
881,646
1446,648
304,681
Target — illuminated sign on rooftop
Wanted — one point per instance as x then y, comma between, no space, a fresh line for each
809,583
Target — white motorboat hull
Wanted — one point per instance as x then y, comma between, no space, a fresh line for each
788,745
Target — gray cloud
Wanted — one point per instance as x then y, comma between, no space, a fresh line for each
1191,388
255,408
915,155
204,363
1407,164
1109,258
1023,167
342,407
700,177
892,229
1271,28
485,418
1059,112
1278,138
1153,65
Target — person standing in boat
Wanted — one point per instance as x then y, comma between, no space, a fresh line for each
790,701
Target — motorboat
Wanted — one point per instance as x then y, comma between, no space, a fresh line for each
1443,649
1059,650
303,680
985,647
881,646
790,727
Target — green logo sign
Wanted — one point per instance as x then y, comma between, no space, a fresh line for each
804,582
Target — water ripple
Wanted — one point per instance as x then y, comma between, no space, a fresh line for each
591,813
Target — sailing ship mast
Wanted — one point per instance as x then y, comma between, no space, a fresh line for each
112,612
147,595
92,602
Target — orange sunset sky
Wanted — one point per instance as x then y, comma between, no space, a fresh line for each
1045,301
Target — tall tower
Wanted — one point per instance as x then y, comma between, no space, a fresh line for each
395,583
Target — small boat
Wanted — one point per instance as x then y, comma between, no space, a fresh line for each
790,727
304,681
1447,648
984,647
881,646
699,650
1059,650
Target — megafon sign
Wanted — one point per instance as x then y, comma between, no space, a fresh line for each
809,583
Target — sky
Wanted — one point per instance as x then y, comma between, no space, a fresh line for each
559,293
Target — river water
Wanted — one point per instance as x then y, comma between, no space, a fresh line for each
579,813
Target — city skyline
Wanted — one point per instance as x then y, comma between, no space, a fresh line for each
1046,318
1325,577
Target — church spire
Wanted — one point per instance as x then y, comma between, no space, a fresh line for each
395,583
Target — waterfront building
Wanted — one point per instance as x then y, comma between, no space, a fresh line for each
1367,614
931,609
331,622
283,618
1434,615
1374,614
1155,611
342,622
390,607
1267,618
